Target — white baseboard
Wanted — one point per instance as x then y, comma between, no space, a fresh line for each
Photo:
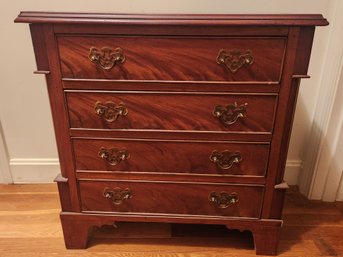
293,169
45,170
29,170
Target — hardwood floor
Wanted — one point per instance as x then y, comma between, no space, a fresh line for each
30,226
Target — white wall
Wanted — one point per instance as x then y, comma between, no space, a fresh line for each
24,107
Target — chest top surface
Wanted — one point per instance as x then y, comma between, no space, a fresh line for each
179,19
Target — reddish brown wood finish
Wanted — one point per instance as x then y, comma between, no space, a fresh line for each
172,111
173,19
171,134
176,177
63,189
76,232
151,156
47,58
181,58
162,198
170,83
39,45
283,122
171,86
266,239
265,232
171,30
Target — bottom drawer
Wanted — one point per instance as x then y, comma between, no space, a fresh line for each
171,198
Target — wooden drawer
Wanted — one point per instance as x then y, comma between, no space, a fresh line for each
171,198
172,111
156,156
247,59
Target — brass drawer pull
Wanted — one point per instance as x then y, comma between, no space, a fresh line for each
117,195
231,113
114,155
235,59
106,57
225,159
110,111
223,199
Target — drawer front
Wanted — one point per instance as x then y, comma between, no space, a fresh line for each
171,198
172,58
153,156
172,111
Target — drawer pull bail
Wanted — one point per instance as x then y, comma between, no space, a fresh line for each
235,59
231,113
110,111
226,159
117,195
114,155
223,199
106,57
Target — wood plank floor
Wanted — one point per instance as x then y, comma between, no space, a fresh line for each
29,226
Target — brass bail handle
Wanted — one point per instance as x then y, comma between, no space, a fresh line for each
110,111
223,199
106,57
231,113
235,59
113,156
117,195
226,159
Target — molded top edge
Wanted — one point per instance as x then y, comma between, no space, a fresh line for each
173,19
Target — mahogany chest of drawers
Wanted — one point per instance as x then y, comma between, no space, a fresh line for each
172,118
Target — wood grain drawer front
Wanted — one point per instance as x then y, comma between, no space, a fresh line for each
151,156
167,111
172,58
171,198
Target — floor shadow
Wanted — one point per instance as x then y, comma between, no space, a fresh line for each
190,235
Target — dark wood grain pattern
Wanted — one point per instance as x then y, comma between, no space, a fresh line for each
150,197
164,58
172,111
165,92
171,156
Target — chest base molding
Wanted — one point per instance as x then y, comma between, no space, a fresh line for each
77,227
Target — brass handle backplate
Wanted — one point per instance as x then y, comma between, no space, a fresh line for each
229,114
223,199
117,195
110,111
114,155
226,159
106,57
235,59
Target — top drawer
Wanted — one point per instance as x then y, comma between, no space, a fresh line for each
246,59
